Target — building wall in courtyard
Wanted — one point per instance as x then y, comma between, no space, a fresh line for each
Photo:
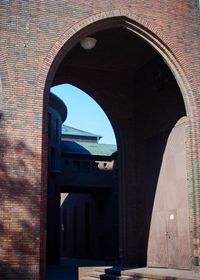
89,198
57,113
86,169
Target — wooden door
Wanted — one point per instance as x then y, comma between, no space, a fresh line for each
169,238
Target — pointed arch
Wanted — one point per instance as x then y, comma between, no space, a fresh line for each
175,60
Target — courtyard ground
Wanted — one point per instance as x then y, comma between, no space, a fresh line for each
68,268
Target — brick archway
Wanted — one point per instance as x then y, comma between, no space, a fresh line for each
175,61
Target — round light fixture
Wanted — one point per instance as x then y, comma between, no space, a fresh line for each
88,43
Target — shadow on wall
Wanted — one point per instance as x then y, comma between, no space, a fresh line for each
19,227
163,160
89,215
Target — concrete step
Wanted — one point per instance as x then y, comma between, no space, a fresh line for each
109,276
111,270
96,274
115,277
119,273
87,278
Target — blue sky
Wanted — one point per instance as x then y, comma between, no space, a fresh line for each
84,113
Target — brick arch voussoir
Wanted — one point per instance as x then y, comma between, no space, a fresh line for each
173,56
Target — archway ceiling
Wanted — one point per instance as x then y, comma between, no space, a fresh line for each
118,53
125,75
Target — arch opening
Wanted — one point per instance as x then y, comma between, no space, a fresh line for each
85,113
82,187
131,81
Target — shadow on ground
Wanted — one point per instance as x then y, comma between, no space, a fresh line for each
68,268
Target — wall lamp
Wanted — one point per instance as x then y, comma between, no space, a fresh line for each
88,43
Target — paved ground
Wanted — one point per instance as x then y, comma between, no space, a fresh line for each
162,273
68,269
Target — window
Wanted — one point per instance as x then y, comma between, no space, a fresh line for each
75,228
76,165
101,246
87,226
86,166
64,232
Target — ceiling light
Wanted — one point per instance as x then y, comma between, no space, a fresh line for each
88,43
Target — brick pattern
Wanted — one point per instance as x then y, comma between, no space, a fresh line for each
33,38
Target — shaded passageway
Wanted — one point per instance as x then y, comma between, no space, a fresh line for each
141,97
138,92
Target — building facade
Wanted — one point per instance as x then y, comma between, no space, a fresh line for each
57,113
143,71
89,198
82,190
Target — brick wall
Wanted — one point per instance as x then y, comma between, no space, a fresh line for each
33,32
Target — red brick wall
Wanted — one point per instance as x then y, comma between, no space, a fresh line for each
32,34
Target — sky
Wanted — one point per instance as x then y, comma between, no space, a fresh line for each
84,113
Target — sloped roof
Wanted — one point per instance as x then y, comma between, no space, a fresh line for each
71,131
85,148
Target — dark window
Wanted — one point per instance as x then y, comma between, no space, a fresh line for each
76,165
100,204
64,232
75,228
87,226
101,247
86,166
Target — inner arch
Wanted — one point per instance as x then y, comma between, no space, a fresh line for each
85,113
